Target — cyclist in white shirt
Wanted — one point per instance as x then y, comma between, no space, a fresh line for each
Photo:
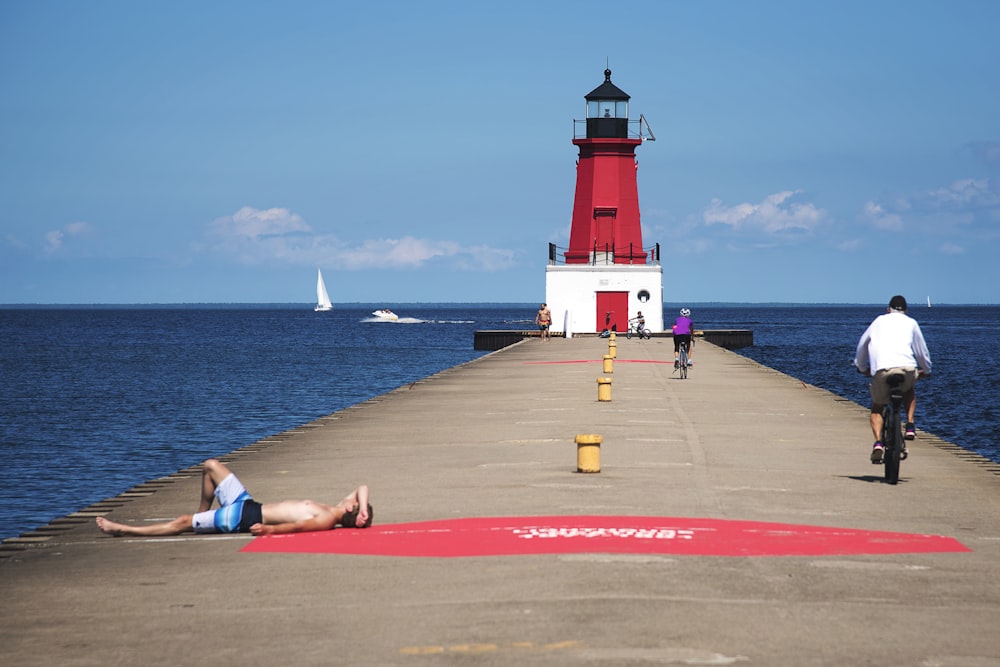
892,341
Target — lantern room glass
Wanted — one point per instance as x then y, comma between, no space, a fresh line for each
607,109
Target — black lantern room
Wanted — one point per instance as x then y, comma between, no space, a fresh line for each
607,111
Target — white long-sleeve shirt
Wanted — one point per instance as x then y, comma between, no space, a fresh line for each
893,340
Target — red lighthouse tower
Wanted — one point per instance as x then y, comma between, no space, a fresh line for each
606,207
606,277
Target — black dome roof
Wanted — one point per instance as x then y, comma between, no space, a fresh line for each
607,90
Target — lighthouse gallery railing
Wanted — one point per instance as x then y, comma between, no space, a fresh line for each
637,129
606,255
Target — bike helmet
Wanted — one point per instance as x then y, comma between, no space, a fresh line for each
685,312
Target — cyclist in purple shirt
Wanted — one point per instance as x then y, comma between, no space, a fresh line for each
683,332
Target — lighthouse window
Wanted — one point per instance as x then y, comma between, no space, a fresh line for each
601,109
607,109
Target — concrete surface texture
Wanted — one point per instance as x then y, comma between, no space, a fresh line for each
496,438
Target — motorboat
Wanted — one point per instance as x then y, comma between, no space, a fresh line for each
385,314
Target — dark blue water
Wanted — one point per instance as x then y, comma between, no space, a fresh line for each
96,400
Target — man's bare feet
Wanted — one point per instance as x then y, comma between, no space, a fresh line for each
110,527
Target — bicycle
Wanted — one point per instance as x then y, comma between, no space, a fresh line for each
682,361
893,443
634,328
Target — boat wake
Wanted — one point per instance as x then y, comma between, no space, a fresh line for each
416,320
401,320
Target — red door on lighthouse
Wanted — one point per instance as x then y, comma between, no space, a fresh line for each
612,311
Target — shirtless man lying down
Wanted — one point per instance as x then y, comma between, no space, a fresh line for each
239,513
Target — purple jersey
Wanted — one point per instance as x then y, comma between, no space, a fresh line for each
683,325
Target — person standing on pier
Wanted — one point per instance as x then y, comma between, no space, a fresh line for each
544,321
239,513
892,341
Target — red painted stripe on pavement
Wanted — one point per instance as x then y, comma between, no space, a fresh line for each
512,536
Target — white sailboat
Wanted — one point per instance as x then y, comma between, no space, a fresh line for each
928,302
322,298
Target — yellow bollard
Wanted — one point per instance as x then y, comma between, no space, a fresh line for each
609,364
613,349
604,389
588,453
612,336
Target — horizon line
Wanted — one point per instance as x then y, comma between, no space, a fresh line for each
348,304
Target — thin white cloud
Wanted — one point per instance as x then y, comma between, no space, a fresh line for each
15,242
54,239
77,228
776,214
486,258
253,236
879,218
952,249
964,206
251,223
406,252
965,193
850,245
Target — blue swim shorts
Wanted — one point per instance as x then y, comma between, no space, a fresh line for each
232,497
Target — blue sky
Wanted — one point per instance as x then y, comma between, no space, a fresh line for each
421,151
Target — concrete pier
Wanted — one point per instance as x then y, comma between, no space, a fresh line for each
738,458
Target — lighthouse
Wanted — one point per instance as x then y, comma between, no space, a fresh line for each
606,276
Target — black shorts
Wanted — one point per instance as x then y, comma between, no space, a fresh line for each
251,514
681,338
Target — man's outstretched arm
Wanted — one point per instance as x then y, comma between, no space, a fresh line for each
323,520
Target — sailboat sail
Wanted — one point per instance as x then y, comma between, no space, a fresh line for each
322,298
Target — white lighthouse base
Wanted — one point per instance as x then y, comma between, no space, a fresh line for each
577,295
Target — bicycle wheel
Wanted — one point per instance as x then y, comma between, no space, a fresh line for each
628,334
893,443
684,362
646,334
